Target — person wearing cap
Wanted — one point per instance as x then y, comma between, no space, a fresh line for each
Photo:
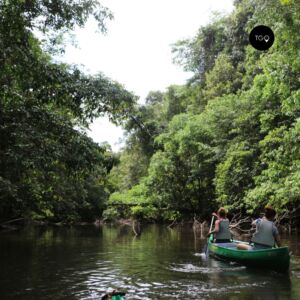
108,294
221,231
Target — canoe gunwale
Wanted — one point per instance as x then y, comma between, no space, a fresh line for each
273,258
246,243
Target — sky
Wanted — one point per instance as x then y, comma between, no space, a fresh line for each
136,51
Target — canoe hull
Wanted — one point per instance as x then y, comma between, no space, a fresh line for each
277,259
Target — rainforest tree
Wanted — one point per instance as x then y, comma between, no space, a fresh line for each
231,136
49,168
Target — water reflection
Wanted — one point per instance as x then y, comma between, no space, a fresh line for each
163,263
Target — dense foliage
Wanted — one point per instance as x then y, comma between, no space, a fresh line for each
231,135
49,168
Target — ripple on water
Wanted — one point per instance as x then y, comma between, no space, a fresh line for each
144,285
202,255
296,273
190,268
206,290
157,284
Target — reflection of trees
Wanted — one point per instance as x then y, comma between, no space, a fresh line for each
200,233
146,254
42,258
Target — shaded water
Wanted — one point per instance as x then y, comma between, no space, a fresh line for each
82,262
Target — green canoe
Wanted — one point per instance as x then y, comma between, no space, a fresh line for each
115,296
277,259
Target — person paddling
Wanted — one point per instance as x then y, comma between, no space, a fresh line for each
266,234
221,231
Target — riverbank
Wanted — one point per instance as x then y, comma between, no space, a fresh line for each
200,228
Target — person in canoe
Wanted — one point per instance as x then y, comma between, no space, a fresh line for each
112,294
266,234
221,231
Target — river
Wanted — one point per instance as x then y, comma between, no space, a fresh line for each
82,262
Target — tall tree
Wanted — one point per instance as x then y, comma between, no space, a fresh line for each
49,169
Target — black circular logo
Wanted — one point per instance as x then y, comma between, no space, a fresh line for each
261,37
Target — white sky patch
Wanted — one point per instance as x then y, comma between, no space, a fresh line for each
137,48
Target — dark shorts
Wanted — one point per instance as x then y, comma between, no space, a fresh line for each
222,241
260,246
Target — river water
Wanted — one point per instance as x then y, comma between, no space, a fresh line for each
163,263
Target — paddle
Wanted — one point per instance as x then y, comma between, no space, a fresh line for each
205,250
